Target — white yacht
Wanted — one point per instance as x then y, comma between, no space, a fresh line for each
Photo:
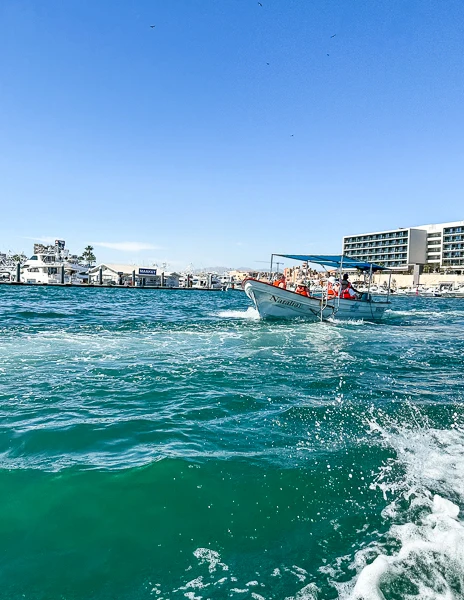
206,281
53,264
451,292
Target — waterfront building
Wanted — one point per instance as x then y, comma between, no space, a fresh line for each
237,276
171,279
299,273
121,274
441,246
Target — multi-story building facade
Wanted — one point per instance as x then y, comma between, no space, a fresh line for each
440,246
453,245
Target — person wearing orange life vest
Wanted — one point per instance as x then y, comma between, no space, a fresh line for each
301,289
280,282
332,290
347,291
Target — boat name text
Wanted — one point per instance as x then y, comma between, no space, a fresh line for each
286,302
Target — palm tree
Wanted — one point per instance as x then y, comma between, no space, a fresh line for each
19,258
88,256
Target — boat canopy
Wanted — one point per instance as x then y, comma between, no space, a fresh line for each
335,260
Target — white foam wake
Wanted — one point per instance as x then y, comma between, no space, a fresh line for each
413,312
249,313
425,524
430,562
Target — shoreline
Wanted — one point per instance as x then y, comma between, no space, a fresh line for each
103,286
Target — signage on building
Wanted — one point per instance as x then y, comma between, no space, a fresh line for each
147,271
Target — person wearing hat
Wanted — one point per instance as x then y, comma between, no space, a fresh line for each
332,287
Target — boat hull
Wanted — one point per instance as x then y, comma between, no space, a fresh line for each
273,302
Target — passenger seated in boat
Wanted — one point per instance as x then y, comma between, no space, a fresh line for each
347,291
332,287
302,289
280,282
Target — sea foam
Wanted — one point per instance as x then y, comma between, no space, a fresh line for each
425,526
249,313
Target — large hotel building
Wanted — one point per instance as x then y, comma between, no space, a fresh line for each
440,246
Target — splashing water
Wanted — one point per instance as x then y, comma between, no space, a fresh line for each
249,313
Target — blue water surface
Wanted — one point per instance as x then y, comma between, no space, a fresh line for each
170,444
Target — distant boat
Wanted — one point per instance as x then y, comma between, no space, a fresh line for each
46,264
453,292
275,302
430,292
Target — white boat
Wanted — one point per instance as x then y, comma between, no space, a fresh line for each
424,292
453,292
430,292
52,265
206,281
410,291
275,302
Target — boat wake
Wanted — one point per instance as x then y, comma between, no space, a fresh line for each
444,314
251,314
418,555
357,322
422,553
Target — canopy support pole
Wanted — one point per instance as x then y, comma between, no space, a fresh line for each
389,281
339,283
324,303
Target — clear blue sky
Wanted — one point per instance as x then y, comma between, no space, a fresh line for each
182,140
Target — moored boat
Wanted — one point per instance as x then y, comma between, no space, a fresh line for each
53,264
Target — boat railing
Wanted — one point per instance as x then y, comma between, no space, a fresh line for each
324,302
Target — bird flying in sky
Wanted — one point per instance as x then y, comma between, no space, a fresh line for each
333,35
152,26
260,3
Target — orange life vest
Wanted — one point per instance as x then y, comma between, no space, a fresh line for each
346,295
330,290
280,283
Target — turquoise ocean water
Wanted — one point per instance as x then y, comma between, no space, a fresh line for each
171,445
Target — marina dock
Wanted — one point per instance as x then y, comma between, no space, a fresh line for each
111,286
